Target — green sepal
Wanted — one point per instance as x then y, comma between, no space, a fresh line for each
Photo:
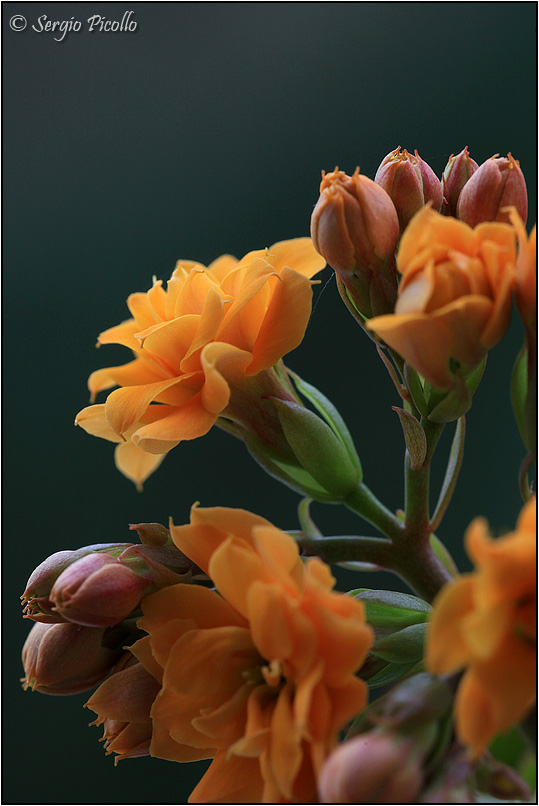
391,608
292,476
444,407
402,646
415,388
318,449
332,417
519,392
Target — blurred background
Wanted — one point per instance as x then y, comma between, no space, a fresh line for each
204,132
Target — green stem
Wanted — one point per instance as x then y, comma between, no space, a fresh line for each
417,483
365,504
347,548
420,568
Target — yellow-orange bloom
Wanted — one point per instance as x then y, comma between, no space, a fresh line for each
260,676
210,329
485,622
454,297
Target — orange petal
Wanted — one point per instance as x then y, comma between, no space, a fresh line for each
124,333
230,780
268,611
422,340
298,254
92,420
221,266
125,407
136,464
221,363
189,602
285,322
137,372
446,648
285,748
189,421
209,527
194,658
171,340
164,746
475,722
248,568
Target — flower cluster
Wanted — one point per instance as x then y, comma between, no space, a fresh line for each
206,334
258,676
225,638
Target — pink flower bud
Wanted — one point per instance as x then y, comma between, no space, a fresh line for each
497,184
66,658
354,226
98,591
410,183
456,173
372,768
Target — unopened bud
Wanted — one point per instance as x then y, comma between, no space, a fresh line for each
372,768
66,658
410,183
98,591
497,184
456,173
354,226
123,704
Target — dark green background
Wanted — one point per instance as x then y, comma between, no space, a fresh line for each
205,132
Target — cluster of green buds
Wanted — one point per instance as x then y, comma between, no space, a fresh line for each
86,603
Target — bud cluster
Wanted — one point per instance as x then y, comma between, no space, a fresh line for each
85,603
356,228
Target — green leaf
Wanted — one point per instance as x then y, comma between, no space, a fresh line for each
391,608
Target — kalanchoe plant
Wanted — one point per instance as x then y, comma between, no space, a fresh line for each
225,638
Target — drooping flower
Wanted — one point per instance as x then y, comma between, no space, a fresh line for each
259,676
194,342
485,622
454,297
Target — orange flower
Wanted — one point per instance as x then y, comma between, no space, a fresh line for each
260,676
485,622
209,330
454,296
